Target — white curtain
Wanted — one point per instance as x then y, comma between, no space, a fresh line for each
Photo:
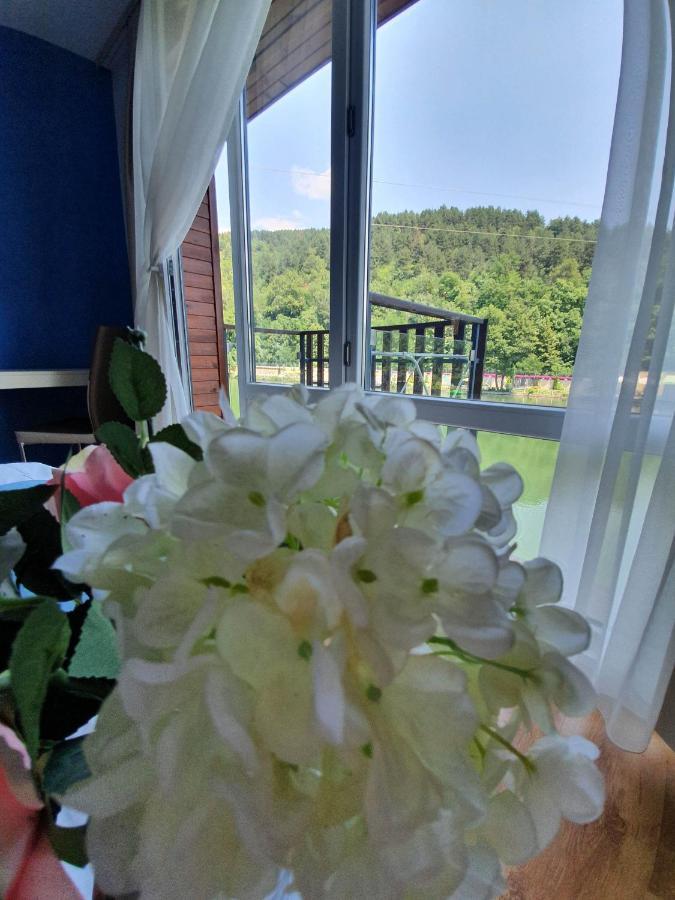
192,58
610,523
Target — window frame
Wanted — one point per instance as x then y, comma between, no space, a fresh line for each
353,60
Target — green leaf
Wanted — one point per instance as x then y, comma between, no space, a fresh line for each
17,506
13,613
96,653
38,649
70,704
17,607
69,844
137,381
125,446
42,534
65,767
177,436
69,506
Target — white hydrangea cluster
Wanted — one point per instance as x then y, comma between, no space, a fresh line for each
321,625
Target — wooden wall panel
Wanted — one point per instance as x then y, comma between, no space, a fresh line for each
200,256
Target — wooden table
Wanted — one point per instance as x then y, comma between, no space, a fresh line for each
13,379
629,853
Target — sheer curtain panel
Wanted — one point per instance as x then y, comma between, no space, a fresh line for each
611,517
192,57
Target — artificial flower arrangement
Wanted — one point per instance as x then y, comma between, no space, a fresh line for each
308,647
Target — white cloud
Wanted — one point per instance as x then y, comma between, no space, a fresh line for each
307,183
280,223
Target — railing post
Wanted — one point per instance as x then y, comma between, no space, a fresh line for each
302,359
308,361
459,334
478,344
418,384
320,359
437,365
401,369
386,362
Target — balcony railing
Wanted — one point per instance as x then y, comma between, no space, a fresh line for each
441,357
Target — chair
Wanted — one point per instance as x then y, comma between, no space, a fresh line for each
102,404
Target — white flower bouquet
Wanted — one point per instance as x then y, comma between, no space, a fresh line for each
326,653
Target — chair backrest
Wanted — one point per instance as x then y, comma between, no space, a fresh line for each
103,404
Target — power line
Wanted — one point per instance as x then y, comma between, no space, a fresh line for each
433,187
529,237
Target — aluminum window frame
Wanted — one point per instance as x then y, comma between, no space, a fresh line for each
353,59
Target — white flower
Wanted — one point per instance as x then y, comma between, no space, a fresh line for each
154,497
564,784
101,537
252,478
320,626
563,629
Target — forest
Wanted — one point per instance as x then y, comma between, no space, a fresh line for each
527,276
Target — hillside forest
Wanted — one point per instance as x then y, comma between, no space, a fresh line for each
529,277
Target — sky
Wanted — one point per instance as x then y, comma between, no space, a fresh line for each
477,102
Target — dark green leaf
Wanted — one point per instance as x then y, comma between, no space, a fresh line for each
42,535
125,446
70,704
96,654
137,381
17,506
65,767
8,632
177,436
38,649
69,506
13,613
17,608
69,844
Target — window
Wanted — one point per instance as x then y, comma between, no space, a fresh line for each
416,187
287,111
535,461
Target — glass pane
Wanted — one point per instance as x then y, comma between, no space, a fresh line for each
535,461
288,109
491,141
227,278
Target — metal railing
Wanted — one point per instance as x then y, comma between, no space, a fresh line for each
441,357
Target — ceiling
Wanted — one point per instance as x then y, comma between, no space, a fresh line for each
81,26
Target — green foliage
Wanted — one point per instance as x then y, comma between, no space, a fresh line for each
177,437
70,703
96,653
38,650
69,506
13,613
69,844
125,446
42,535
65,767
529,277
137,381
18,506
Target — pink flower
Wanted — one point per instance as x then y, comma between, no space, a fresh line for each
29,869
91,476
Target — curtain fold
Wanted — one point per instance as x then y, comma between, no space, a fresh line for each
192,58
610,522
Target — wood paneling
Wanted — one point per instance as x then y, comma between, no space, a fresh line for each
200,256
629,853
295,42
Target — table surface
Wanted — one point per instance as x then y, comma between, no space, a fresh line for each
13,379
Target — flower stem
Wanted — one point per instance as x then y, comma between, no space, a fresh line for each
529,765
454,650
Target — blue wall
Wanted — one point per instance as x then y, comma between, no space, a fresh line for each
63,258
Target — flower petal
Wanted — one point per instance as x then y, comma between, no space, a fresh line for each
563,629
